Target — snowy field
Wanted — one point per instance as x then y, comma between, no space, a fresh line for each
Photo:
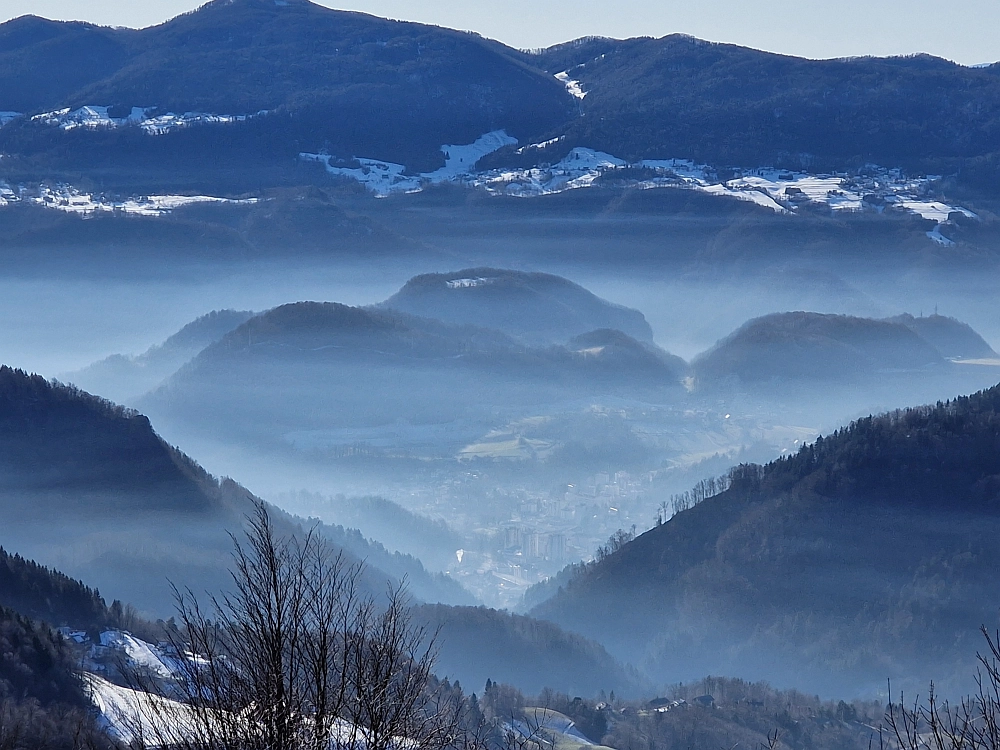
95,116
68,198
873,189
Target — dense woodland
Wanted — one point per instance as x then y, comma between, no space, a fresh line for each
42,701
45,594
727,105
356,84
864,556
59,439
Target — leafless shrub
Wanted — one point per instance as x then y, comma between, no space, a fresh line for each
971,724
296,657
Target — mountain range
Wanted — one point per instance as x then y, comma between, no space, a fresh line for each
322,382
297,77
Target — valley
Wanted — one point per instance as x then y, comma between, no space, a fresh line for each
370,384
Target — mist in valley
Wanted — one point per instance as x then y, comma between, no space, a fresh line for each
483,449
630,394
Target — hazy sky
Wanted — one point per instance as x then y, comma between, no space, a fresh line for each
962,30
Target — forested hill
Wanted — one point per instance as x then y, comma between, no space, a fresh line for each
816,347
539,308
88,487
40,593
723,104
358,84
61,440
869,554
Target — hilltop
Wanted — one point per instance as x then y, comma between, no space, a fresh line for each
363,85
729,105
325,380
538,308
814,347
953,338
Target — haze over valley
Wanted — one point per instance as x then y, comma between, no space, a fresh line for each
637,394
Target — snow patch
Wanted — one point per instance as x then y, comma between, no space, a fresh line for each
759,197
153,720
935,236
781,191
126,712
573,87
460,160
94,116
933,210
380,177
540,146
67,198
139,652
384,178
468,283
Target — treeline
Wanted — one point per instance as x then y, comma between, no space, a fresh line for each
704,489
55,437
866,555
40,593
946,455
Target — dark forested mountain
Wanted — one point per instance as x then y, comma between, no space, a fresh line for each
814,346
44,63
361,86
121,377
89,488
869,554
352,83
723,104
953,338
538,308
62,441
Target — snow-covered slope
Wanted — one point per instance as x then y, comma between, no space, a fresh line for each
384,178
96,116
67,198
573,87
137,652
874,188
